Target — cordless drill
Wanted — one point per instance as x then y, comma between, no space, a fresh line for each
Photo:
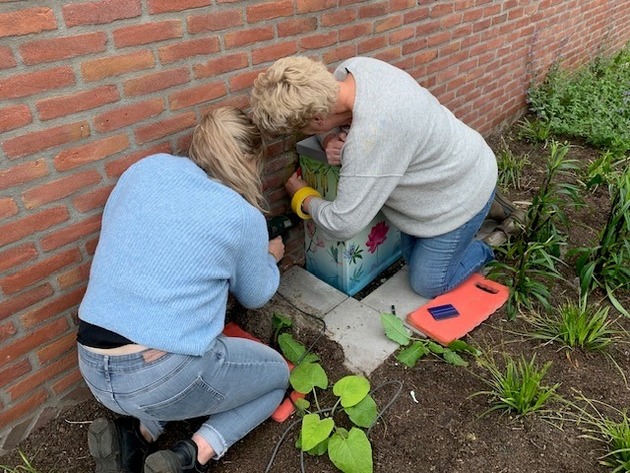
281,224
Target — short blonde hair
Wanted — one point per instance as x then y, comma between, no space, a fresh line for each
291,93
230,148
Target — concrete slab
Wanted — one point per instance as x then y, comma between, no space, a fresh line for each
358,329
309,293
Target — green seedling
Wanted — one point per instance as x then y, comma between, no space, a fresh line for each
26,467
510,167
416,348
517,387
349,450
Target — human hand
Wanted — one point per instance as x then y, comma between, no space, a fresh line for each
294,184
334,147
276,248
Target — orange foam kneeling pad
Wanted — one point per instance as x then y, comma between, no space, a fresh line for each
475,300
286,408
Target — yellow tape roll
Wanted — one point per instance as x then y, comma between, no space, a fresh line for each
298,200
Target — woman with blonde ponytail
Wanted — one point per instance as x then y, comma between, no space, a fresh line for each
178,235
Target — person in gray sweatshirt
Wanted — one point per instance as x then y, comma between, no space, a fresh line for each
400,151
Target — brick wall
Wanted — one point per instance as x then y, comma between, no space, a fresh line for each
88,88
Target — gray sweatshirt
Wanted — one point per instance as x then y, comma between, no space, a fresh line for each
407,155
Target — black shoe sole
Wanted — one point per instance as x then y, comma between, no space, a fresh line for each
163,461
103,445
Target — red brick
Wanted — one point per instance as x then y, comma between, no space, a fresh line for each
375,42
22,173
16,256
389,23
15,231
71,158
97,69
156,81
117,167
52,308
273,52
41,140
195,95
55,49
215,21
90,246
249,36
14,116
74,276
7,60
401,34
66,344
28,298
339,17
13,372
52,191
98,13
221,65
296,26
188,49
56,107
31,83
147,33
355,31
128,115
310,6
39,377
39,271
71,233
269,11
67,381
163,6
28,21
244,80
8,207
374,9
23,408
165,127
92,200
397,5
317,41
338,54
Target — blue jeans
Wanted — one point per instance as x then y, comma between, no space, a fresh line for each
439,264
237,382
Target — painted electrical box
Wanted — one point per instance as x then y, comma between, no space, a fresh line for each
346,265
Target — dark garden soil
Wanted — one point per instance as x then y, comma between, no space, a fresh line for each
440,427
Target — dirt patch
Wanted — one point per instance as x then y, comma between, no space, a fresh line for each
443,429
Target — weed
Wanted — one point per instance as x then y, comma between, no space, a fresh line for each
517,388
25,468
576,325
510,167
607,264
536,131
417,348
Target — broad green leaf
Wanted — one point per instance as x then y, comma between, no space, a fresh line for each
410,355
435,348
294,351
302,404
364,413
319,449
395,330
306,376
279,321
453,358
315,430
351,389
351,453
460,345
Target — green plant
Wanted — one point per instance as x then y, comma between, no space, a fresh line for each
349,450
417,348
605,169
25,468
529,262
510,167
517,388
592,103
536,131
613,433
607,263
576,325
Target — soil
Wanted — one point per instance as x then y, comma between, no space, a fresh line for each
438,419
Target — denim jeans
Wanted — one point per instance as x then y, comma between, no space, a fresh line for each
238,383
439,264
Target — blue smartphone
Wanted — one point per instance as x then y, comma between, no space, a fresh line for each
441,312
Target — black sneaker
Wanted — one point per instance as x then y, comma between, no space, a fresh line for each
117,446
181,458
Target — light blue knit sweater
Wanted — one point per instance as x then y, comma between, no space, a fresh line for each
406,154
173,243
